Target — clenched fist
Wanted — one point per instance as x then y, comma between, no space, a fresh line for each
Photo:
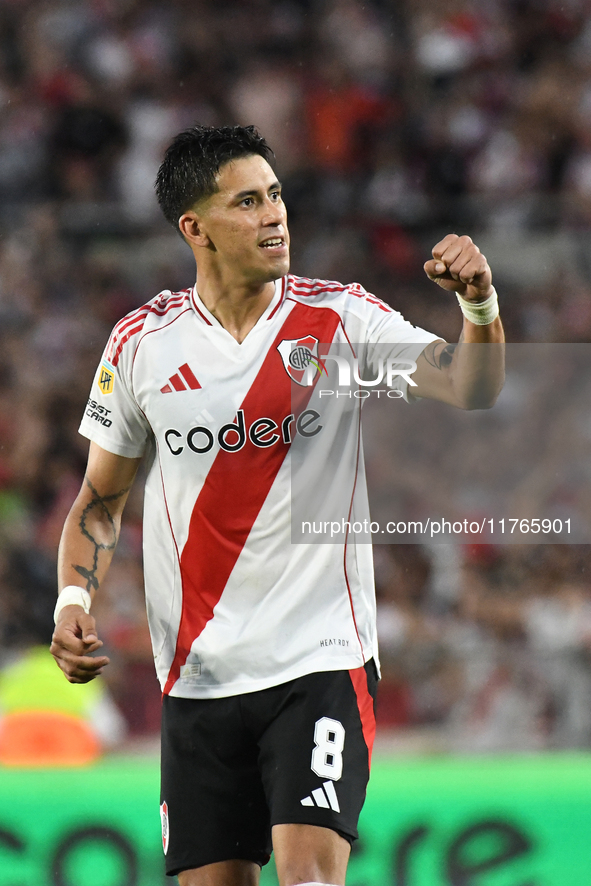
74,641
459,266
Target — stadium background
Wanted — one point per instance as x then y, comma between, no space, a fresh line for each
393,123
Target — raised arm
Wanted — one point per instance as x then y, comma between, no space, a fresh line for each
469,374
89,538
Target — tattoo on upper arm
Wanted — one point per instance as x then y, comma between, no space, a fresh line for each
99,501
438,357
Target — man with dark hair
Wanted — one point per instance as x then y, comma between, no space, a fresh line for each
189,170
266,650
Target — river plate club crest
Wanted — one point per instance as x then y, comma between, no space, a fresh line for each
300,358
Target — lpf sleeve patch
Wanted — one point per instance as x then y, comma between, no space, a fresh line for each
106,377
165,828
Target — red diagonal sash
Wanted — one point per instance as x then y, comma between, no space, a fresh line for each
238,484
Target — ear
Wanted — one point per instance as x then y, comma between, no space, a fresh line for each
191,227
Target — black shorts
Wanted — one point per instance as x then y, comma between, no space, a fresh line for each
298,753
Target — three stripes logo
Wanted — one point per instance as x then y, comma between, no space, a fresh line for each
183,380
324,797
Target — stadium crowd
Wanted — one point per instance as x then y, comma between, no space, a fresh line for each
392,122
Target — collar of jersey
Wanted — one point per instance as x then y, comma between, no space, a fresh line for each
210,320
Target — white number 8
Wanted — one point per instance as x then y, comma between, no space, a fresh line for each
327,756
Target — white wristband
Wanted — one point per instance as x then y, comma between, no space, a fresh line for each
72,596
480,314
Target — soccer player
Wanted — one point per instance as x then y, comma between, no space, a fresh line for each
265,650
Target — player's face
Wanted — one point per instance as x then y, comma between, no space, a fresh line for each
246,221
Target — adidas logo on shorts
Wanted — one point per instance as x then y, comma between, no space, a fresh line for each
326,799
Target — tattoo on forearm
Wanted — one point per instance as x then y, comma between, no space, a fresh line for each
439,358
99,501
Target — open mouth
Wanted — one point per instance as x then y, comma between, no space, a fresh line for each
272,243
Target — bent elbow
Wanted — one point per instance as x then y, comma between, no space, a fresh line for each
479,404
479,400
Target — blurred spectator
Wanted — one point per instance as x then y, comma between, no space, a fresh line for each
269,95
44,720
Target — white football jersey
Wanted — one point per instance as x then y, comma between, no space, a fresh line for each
233,605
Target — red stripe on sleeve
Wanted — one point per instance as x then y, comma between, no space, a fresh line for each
135,322
366,708
124,340
238,484
131,319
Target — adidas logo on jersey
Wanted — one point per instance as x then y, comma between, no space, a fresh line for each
325,797
188,382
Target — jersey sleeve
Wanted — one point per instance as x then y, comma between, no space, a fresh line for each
386,335
112,417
